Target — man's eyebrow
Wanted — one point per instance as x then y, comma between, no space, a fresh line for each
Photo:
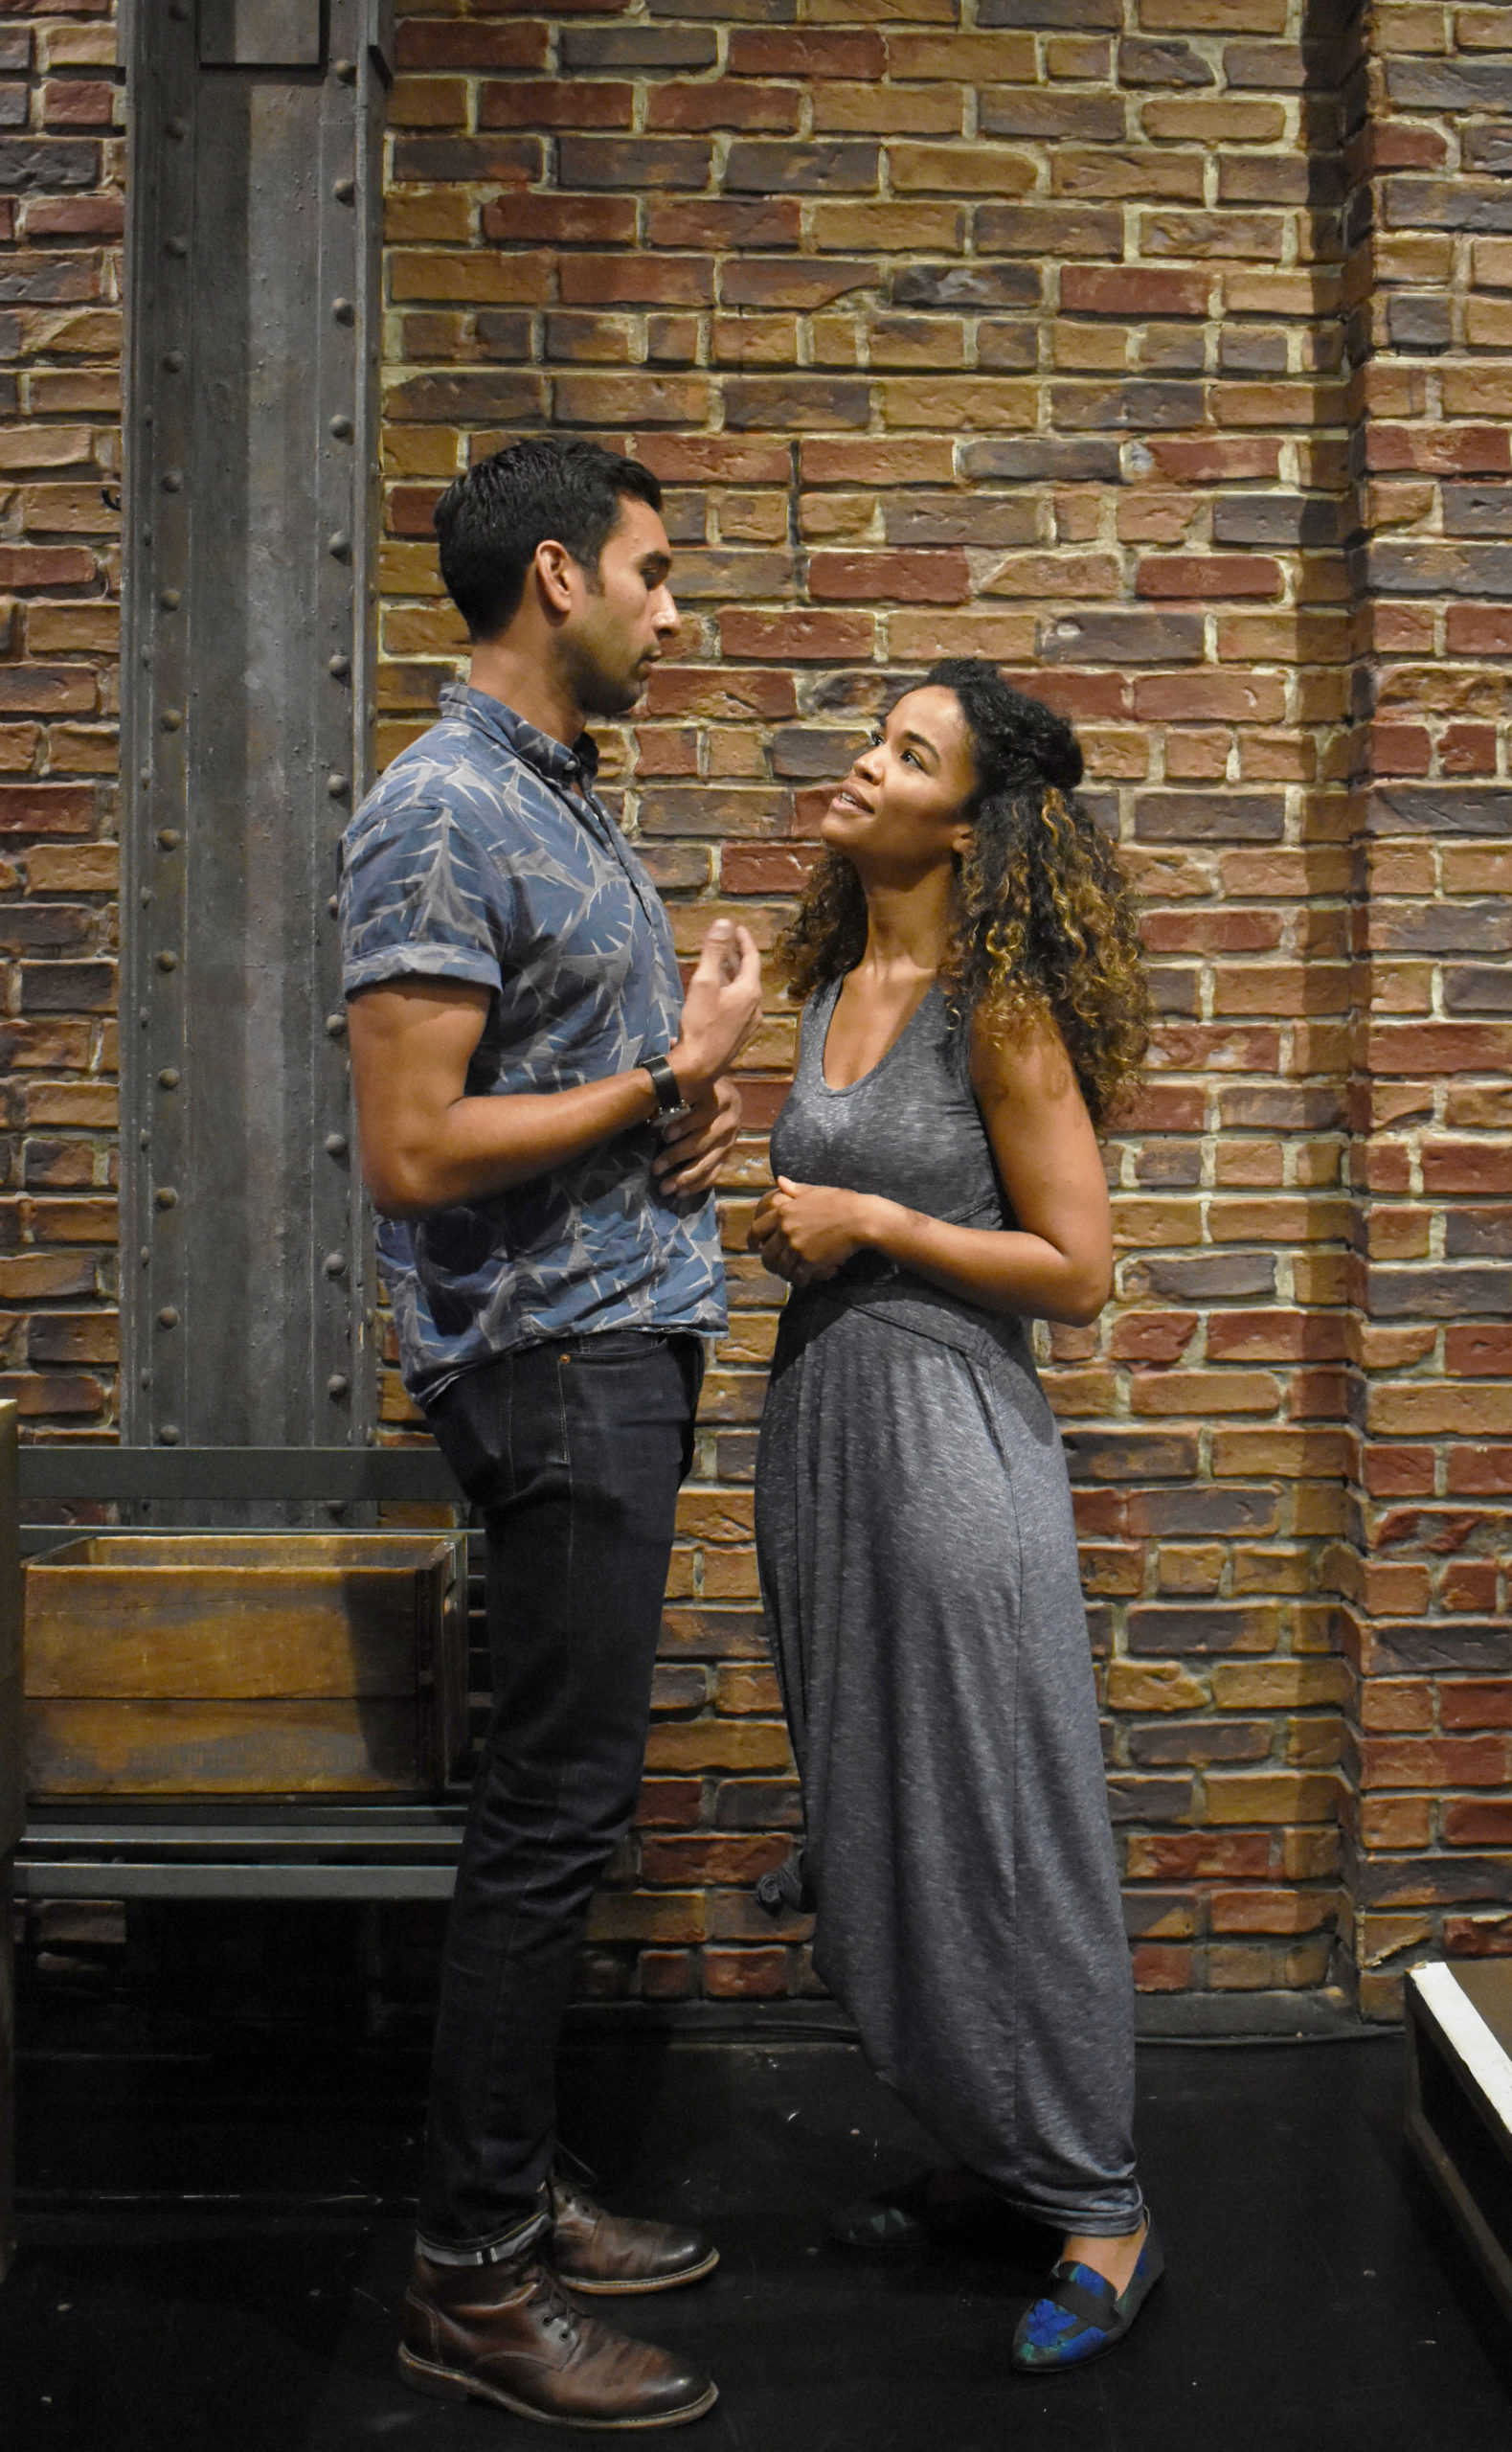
655,560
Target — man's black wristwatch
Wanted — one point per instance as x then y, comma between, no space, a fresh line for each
670,1105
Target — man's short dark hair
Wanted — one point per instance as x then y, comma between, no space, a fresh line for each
490,521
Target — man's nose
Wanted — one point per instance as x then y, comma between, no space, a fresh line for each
666,618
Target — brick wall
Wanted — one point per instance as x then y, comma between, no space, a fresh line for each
1157,347
1022,338
61,220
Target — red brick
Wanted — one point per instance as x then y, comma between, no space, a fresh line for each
1132,291
901,577
746,1974
1207,575
753,51
542,101
798,637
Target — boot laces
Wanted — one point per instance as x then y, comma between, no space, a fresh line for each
556,2309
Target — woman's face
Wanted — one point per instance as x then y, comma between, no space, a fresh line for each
899,811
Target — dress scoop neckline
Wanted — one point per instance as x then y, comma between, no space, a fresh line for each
845,1089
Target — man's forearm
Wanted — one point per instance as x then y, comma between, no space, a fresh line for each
477,1147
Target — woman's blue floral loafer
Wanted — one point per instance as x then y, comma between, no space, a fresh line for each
1081,2315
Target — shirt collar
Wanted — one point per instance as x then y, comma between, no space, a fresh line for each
570,769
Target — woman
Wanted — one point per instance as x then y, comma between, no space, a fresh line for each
969,955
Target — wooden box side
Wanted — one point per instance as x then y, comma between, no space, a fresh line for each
440,1653
183,1669
151,1748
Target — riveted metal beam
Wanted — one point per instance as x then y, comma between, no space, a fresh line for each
251,487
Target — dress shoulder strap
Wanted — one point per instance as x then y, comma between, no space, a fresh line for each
812,1024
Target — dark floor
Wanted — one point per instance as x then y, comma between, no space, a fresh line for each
212,2247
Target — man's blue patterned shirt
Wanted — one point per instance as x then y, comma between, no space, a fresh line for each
484,854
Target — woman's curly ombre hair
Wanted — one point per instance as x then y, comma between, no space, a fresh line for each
1045,917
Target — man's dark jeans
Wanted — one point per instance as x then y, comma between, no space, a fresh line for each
574,1451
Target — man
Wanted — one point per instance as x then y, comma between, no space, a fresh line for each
542,1118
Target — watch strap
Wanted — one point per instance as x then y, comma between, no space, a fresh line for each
669,1099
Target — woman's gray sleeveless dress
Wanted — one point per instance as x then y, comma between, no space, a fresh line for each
918,1568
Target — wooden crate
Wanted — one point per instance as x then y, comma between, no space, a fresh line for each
245,1664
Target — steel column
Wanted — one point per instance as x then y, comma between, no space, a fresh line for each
251,476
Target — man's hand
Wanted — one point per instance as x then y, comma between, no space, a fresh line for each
805,1231
695,1149
720,1010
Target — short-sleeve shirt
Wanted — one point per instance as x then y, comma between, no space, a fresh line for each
484,854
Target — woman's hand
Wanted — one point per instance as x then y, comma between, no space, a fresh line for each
805,1231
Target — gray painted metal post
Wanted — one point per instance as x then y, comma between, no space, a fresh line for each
13,1810
250,489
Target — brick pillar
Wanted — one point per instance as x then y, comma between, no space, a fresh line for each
61,220
1426,1579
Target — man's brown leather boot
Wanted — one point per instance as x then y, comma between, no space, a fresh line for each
608,2253
509,2333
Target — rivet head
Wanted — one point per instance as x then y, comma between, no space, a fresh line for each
172,481
173,361
341,428
167,1079
339,666
167,1433
347,71
166,1197
344,191
335,1145
334,1263
171,720
168,838
144,1139
338,543
144,1255
171,599
178,129
167,1317
344,311
338,786
333,905
168,960
336,1025
338,1384
178,246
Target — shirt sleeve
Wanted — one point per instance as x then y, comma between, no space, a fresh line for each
421,899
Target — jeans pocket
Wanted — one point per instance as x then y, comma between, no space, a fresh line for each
471,1423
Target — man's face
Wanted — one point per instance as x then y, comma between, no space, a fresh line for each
616,630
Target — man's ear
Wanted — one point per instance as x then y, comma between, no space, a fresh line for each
556,575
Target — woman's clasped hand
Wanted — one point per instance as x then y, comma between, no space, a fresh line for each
805,1231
